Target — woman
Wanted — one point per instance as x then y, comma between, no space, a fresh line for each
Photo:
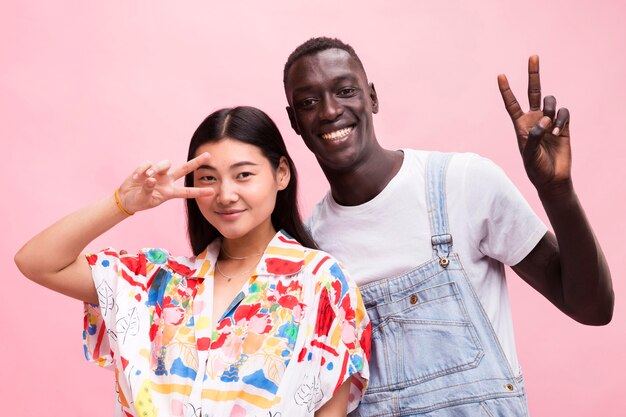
253,325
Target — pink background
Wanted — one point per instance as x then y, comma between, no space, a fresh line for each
88,91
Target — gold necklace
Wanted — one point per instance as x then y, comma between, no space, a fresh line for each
230,277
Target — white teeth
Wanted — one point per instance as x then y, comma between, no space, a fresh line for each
337,134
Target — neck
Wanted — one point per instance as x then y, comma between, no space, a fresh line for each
251,244
361,183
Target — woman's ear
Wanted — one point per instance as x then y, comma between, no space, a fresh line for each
283,174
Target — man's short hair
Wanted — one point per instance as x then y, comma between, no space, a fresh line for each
315,45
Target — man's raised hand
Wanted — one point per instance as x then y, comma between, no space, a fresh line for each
542,135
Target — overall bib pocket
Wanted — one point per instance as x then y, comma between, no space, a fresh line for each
420,336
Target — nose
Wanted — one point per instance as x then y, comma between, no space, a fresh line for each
227,193
331,109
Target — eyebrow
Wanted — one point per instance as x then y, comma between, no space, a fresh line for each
337,80
235,165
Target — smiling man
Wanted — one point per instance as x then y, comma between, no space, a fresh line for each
426,235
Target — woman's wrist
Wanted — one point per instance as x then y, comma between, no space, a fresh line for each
118,203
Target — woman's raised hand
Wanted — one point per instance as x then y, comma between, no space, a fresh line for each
52,258
153,184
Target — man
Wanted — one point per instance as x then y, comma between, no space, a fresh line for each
426,234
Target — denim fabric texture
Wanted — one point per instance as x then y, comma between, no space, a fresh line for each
434,351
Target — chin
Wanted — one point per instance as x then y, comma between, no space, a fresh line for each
232,234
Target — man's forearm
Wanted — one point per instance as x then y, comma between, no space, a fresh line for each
587,292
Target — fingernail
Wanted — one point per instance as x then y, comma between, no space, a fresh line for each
150,172
556,131
544,122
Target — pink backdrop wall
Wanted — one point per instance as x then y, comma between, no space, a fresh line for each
90,90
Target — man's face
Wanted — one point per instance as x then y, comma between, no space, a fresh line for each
331,106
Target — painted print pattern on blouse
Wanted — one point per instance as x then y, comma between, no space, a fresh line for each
296,331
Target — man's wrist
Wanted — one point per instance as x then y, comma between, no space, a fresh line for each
557,191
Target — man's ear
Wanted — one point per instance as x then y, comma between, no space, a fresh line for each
292,119
283,174
374,98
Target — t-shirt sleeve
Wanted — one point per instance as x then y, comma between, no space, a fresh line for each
115,276
341,338
504,225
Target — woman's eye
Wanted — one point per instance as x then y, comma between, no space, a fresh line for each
207,179
244,175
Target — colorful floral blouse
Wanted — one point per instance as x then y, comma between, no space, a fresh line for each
292,336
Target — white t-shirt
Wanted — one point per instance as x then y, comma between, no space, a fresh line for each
490,222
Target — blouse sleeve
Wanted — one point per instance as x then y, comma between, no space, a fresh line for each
341,338
118,279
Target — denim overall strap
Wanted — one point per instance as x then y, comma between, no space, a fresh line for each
434,352
441,239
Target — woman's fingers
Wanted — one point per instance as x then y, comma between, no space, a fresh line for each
142,171
193,192
191,165
148,186
161,167
148,169
149,177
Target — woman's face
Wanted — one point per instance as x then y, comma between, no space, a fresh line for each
245,185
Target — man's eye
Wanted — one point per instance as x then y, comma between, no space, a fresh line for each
308,102
347,92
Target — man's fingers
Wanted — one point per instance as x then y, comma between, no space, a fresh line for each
534,83
191,166
562,120
535,135
549,106
510,102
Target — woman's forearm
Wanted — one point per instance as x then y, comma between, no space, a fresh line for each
53,254
52,258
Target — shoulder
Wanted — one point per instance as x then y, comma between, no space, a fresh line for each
414,159
320,262
472,174
144,263
153,255
460,165
285,256
468,162
329,275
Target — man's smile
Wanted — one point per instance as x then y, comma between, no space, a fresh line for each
337,134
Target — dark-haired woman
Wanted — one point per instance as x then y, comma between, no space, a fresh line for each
254,324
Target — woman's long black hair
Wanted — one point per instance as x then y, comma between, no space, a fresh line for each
252,126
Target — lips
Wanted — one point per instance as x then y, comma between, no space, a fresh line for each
229,213
337,134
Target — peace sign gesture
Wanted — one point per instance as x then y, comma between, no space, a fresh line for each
153,184
543,141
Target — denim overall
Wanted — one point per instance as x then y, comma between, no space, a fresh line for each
434,351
